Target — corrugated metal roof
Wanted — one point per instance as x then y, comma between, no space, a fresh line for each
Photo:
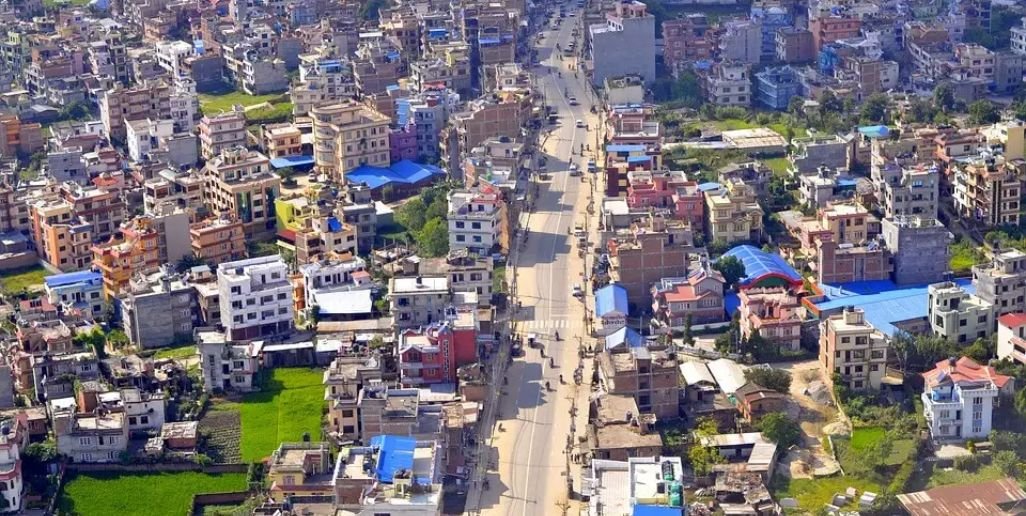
611,298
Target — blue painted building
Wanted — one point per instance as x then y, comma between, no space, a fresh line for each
777,86
81,290
771,18
611,308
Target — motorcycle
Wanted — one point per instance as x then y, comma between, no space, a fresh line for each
547,386
552,362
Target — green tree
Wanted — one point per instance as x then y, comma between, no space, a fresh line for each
731,268
944,96
687,89
779,428
777,379
433,238
1008,462
412,214
189,261
94,339
706,426
982,350
371,9
117,339
796,107
689,339
920,111
703,458
982,112
874,109
829,103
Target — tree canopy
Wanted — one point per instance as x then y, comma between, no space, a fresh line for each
779,428
776,379
731,268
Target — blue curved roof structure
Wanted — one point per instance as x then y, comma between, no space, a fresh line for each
761,266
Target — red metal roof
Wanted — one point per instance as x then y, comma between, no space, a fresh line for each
1013,320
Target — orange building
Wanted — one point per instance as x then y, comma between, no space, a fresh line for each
218,240
830,29
62,238
19,137
121,258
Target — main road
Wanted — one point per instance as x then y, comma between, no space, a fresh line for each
529,477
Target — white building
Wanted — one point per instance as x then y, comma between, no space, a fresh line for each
475,220
13,436
959,398
618,487
1011,337
144,410
145,136
418,301
171,55
255,298
1018,42
957,315
325,277
226,366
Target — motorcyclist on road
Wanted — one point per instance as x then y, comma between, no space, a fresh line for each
557,335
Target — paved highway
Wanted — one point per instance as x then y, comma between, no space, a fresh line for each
530,475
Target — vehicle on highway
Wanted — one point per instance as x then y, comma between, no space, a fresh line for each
577,291
573,100
312,177
574,171
553,118
592,168
579,123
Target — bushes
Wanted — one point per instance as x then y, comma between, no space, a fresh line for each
967,463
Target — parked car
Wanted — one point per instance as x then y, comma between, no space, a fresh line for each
577,291
580,124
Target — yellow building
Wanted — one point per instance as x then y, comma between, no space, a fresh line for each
240,184
300,469
733,213
348,135
119,259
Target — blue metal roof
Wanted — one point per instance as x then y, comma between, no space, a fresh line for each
631,337
883,302
71,278
299,160
611,298
759,264
638,159
656,510
624,147
875,131
394,453
708,187
405,172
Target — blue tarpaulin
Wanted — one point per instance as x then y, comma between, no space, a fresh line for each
395,453
874,131
625,335
611,298
760,264
70,278
296,161
404,172
624,147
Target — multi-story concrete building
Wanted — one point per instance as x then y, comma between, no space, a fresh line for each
467,272
794,45
321,82
733,213
688,39
741,41
418,301
647,375
301,468
81,290
159,309
828,29
432,354
255,298
729,84
226,366
222,131
62,239
624,44
919,249
959,397
218,240
850,347
957,315
777,86
477,221
348,135
282,140
96,435
343,381
650,250
907,191
1018,42
1011,337
988,190
1002,281
240,185
698,296
121,258
14,436
120,104
773,313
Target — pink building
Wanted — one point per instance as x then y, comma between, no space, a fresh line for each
402,144
773,312
699,295
666,189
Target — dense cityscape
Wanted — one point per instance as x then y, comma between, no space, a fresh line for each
512,257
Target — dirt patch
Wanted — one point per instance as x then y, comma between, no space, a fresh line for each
814,410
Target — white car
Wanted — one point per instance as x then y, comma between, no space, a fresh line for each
577,291
572,100
574,171
579,123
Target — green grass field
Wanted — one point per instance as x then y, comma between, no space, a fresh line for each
863,438
964,255
289,404
812,494
149,494
177,353
29,278
944,477
779,165
212,103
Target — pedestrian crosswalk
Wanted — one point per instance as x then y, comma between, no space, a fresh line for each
549,324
